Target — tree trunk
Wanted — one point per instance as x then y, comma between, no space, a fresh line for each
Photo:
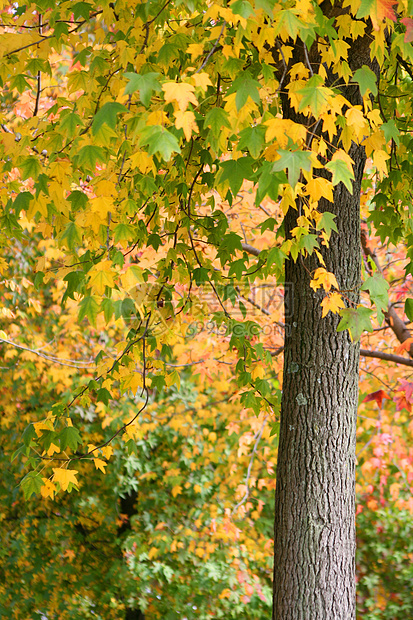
314,556
314,569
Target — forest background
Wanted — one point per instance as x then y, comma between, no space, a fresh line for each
146,172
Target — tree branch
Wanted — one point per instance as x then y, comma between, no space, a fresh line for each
389,357
392,318
250,249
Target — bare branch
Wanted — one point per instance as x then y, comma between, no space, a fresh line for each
389,357
250,249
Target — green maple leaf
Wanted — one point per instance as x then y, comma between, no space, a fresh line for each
366,7
89,155
71,237
20,83
28,434
327,223
159,140
289,21
31,484
253,139
391,131
377,287
341,173
216,119
146,84
235,171
30,168
366,80
313,95
124,232
242,7
245,87
408,309
69,436
81,9
356,320
294,162
108,115
89,307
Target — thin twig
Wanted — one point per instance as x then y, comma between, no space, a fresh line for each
50,358
214,47
247,479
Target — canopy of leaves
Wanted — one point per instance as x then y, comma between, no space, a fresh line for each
146,170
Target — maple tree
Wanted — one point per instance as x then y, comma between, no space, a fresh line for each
175,161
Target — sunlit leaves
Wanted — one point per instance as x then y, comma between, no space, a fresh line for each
66,478
323,279
332,303
180,92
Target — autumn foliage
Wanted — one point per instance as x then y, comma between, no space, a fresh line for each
146,170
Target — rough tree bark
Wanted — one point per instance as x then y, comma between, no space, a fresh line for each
314,557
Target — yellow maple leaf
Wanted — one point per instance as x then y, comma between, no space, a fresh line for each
281,129
52,449
143,162
320,187
104,187
100,464
4,265
332,303
153,552
379,160
375,142
258,372
48,489
64,477
201,80
195,49
177,490
197,488
323,279
102,205
181,92
356,120
107,451
101,275
186,121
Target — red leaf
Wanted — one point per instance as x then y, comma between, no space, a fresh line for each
408,22
377,396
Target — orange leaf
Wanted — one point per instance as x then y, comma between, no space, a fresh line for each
404,346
